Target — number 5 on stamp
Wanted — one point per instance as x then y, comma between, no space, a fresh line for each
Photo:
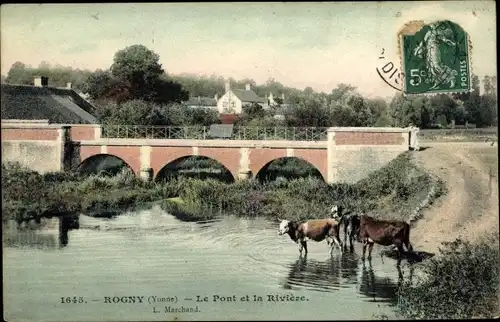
435,58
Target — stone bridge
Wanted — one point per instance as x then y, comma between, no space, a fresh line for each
346,154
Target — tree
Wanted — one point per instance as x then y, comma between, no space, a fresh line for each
136,63
379,111
58,75
362,114
308,90
18,74
134,112
99,83
253,110
493,86
341,91
164,91
200,116
444,106
309,112
140,67
487,114
398,109
135,74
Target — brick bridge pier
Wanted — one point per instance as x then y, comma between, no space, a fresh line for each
342,154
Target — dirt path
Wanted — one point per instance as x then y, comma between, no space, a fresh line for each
470,207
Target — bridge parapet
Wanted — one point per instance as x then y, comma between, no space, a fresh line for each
205,133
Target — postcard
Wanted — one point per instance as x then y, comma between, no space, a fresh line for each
249,161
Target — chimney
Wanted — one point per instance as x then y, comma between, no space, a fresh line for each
247,87
216,97
228,86
69,85
283,97
41,81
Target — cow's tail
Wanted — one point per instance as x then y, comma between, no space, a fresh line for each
406,241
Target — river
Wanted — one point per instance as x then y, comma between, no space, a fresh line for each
229,269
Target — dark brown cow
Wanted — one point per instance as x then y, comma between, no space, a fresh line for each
385,233
314,229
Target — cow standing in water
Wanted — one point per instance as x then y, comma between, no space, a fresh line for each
314,229
385,233
350,222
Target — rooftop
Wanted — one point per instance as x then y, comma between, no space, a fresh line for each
57,105
248,96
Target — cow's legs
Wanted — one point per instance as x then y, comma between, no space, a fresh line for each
351,240
370,248
346,232
400,275
399,245
336,239
365,243
336,242
303,245
329,240
408,245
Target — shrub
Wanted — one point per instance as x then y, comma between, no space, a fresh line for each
462,283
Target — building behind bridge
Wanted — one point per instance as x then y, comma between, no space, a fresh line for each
40,102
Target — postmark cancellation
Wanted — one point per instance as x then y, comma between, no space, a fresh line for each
435,58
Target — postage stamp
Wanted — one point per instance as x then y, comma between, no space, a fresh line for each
435,58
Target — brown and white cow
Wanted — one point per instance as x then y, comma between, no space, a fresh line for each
314,229
385,233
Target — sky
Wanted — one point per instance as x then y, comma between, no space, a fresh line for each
298,44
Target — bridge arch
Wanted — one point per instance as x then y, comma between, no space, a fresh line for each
103,162
289,167
196,166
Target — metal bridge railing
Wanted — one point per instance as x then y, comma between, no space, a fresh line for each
204,133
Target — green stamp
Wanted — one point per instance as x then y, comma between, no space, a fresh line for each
435,58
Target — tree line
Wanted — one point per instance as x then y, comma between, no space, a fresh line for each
135,89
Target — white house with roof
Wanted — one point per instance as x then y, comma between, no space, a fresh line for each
234,100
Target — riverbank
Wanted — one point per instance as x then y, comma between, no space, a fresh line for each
28,195
391,190
462,229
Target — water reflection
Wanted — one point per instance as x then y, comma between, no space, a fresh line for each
323,276
350,265
40,233
373,286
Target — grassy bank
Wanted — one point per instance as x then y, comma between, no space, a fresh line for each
393,191
451,135
29,195
463,283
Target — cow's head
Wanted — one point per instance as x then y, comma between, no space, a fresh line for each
336,212
283,229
